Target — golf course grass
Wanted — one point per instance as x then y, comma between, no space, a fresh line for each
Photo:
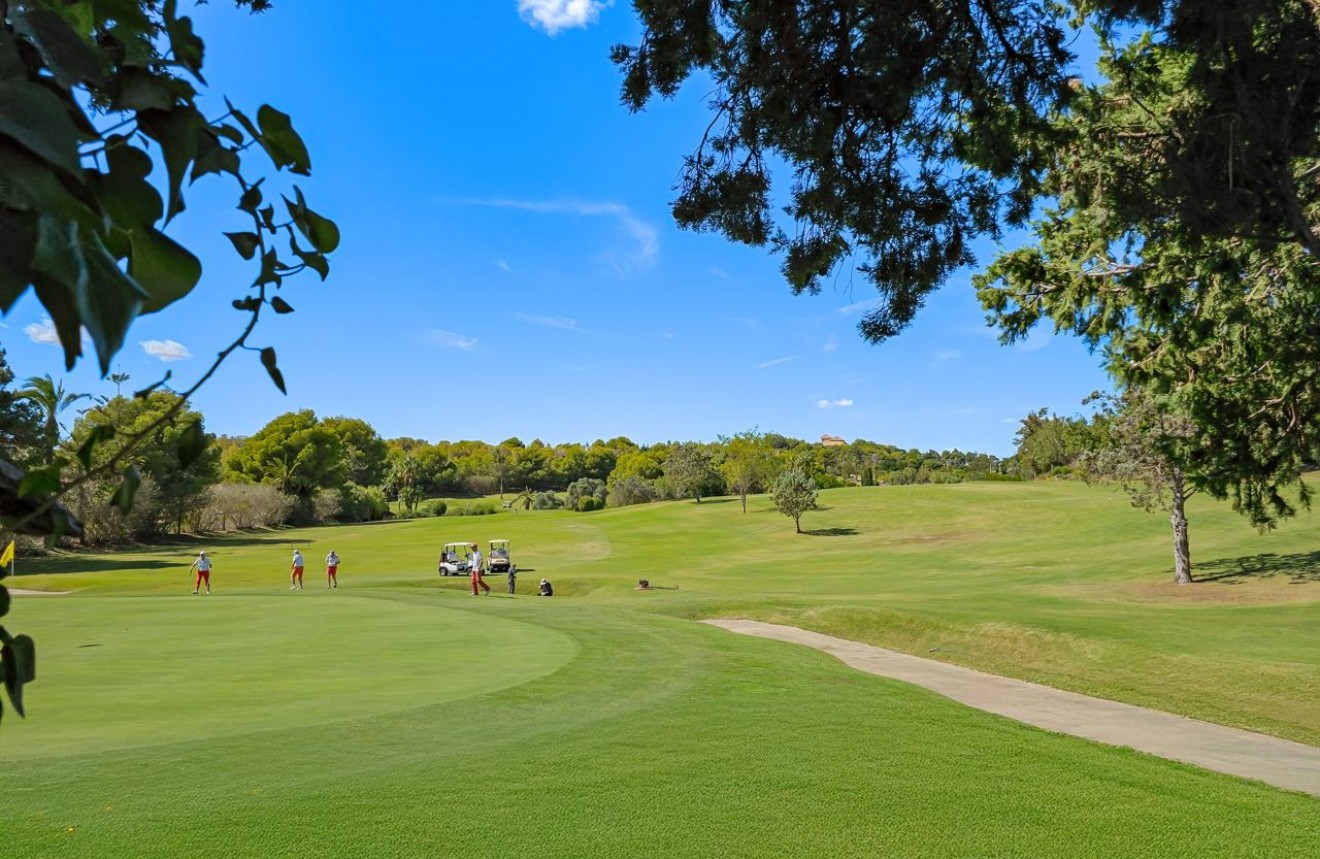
400,717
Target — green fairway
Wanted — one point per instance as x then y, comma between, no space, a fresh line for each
398,716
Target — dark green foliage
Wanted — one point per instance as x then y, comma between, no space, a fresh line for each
587,487
83,226
795,494
1183,241
588,503
294,453
546,501
179,463
909,128
21,428
690,472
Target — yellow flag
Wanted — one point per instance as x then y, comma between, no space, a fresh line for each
8,557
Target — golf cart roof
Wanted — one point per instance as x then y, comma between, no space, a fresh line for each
465,544
499,541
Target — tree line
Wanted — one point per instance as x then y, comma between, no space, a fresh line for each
301,468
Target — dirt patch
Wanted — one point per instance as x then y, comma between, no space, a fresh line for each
23,592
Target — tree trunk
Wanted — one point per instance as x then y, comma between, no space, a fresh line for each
1182,553
744,500
797,523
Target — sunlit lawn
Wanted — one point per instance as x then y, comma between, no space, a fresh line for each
398,716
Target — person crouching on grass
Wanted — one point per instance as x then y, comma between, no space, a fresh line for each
203,565
332,570
474,561
295,577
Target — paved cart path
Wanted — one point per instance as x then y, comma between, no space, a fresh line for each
1281,763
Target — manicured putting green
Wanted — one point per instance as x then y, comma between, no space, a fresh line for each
161,669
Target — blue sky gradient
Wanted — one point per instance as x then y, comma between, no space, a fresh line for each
509,266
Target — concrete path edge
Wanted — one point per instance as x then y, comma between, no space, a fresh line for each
1282,763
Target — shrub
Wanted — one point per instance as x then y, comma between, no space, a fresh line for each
326,504
232,506
587,503
584,488
474,508
432,507
362,503
546,501
631,490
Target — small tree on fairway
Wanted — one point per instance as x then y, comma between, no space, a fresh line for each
1145,439
795,494
748,463
689,470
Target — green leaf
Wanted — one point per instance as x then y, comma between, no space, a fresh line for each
229,132
213,156
30,184
279,305
143,89
245,243
270,262
251,199
249,304
66,53
187,47
268,361
282,143
247,124
268,217
123,496
192,444
20,240
315,262
164,268
176,132
100,433
41,481
59,303
110,300
37,119
128,198
321,232
19,658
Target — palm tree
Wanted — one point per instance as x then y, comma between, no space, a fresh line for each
49,396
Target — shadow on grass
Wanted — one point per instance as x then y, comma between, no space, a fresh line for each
1299,568
832,532
65,565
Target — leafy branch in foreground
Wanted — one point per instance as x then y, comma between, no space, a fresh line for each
93,97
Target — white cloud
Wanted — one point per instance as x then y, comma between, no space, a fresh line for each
1039,338
834,404
42,332
555,15
859,306
775,362
450,339
563,322
831,344
166,350
719,272
943,356
645,238
504,266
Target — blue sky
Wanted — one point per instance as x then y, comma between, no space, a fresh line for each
509,265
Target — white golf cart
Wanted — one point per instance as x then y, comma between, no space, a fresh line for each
454,559
499,561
